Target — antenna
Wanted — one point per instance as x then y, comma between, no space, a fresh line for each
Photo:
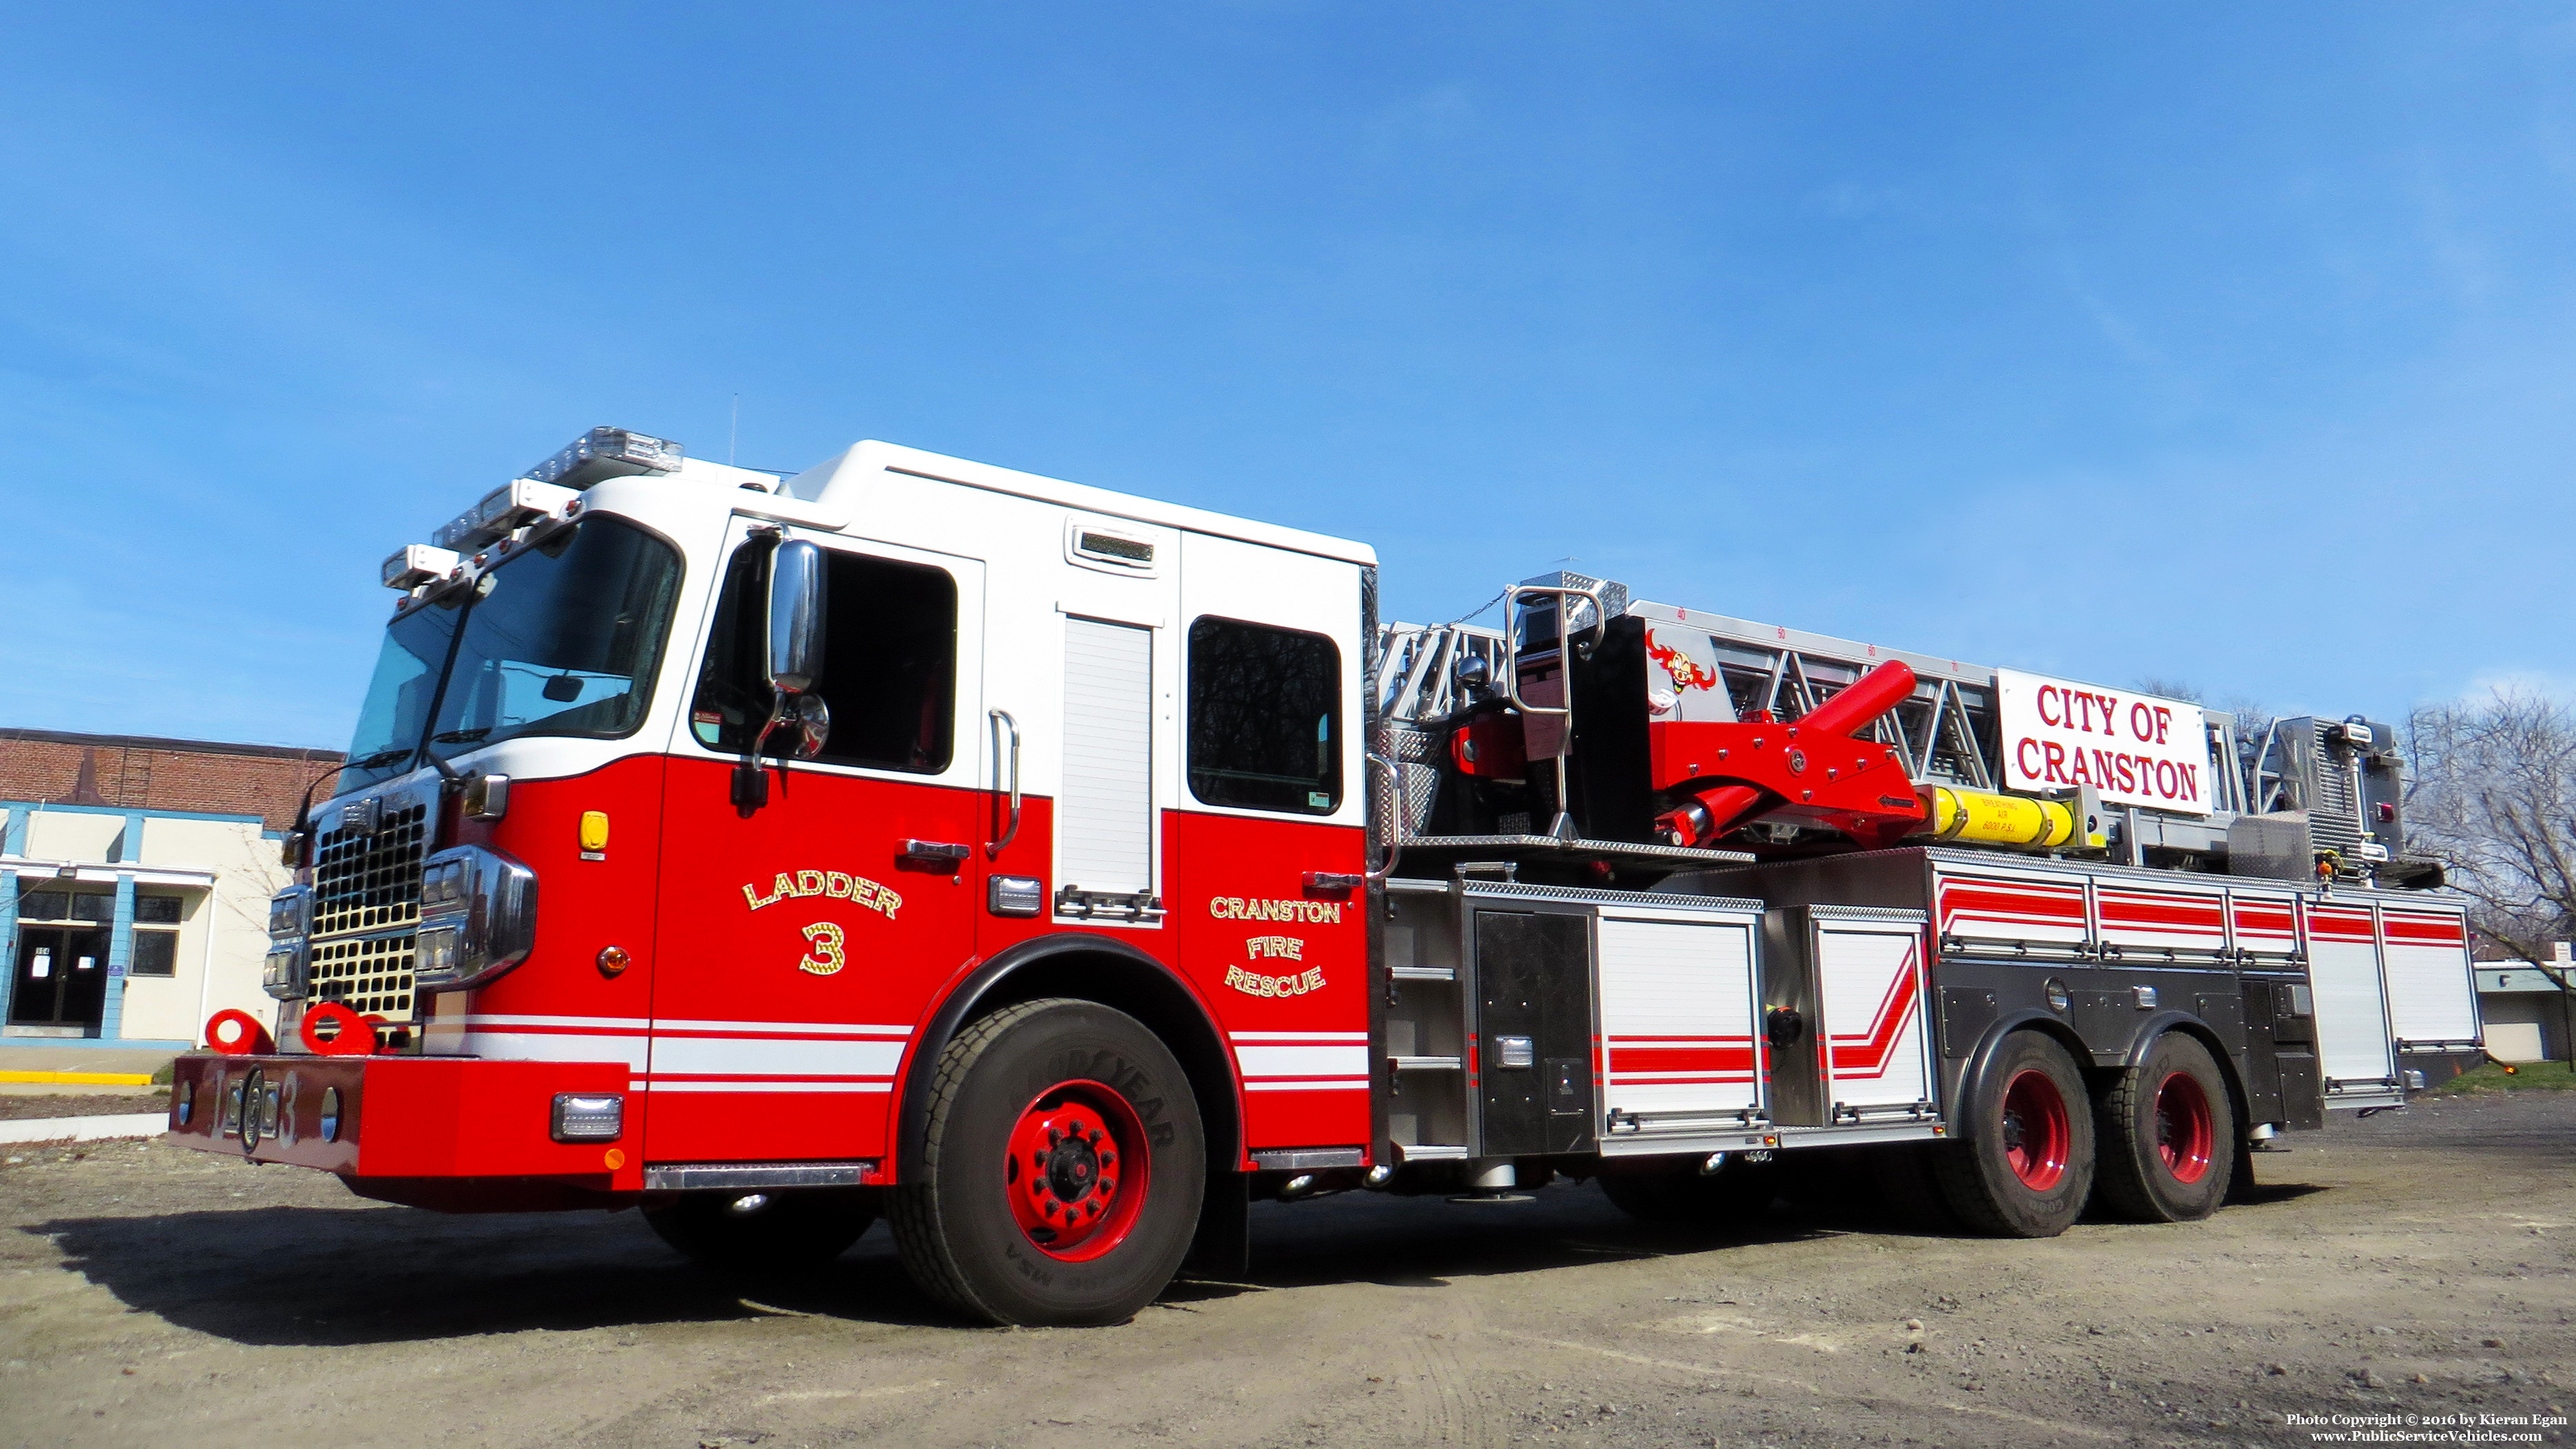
733,431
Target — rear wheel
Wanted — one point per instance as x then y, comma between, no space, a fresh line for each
747,1232
2168,1135
2027,1165
1062,1168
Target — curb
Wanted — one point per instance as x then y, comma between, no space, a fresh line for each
82,1079
85,1129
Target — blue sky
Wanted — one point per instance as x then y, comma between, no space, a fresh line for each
2231,347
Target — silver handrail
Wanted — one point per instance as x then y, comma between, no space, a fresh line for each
1564,641
998,721
1562,827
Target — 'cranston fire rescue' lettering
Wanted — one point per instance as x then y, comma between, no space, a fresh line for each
1254,984
1236,908
833,883
1288,946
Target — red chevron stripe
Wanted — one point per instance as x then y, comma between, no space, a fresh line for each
1894,1010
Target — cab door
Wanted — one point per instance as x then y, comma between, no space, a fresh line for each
801,938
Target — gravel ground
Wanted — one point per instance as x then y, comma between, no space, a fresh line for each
2417,1264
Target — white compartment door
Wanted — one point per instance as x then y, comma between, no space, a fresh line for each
1870,983
2432,994
1104,809
1677,1021
2352,1014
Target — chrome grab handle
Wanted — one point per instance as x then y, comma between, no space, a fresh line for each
1395,823
1564,641
1000,720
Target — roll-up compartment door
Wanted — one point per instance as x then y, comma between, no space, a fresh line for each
2432,994
2352,1020
1870,985
2020,911
1105,809
1678,1022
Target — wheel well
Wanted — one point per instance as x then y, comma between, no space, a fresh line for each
1972,1072
2200,1031
1116,976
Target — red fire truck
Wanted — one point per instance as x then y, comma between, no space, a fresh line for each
1054,872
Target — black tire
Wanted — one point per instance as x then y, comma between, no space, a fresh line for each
2168,1135
742,1232
1740,1192
956,1214
2026,1172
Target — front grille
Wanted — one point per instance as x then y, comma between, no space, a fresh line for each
366,911
370,975
370,882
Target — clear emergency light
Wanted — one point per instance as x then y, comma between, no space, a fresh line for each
604,453
514,505
415,564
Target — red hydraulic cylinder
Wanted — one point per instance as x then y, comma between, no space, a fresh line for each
1811,770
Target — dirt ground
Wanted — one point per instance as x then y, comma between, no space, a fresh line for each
2416,1264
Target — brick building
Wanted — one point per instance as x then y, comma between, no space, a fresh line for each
134,882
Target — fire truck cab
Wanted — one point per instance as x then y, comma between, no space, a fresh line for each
1051,871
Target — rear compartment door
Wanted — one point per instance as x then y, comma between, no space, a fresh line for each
1680,1046
1869,970
2432,993
2352,1003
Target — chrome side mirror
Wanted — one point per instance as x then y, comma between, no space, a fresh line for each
795,637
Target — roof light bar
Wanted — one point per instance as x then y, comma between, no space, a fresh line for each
419,563
604,453
514,505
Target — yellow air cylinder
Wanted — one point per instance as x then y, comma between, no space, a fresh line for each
2014,822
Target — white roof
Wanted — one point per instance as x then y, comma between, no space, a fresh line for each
843,483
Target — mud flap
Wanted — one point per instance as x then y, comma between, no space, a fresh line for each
1222,1247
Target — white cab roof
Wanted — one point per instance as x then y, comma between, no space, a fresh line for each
843,484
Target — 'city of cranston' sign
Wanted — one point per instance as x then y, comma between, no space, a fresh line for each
2133,749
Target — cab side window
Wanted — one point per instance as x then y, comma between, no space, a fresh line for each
1265,726
889,671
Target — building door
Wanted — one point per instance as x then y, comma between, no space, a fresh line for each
62,977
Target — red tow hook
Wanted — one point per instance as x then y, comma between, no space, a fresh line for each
237,1033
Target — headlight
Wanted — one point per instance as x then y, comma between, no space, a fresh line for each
283,973
290,912
290,919
478,918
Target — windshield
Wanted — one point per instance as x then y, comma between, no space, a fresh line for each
562,640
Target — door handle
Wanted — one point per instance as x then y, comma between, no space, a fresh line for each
999,721
937,855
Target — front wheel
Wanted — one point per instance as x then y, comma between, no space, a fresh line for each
2168,1135
2027,1165
1062,1169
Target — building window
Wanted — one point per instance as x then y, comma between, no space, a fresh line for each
156,953
1265,706
66,906
156,910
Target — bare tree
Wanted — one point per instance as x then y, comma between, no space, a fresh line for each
2494,799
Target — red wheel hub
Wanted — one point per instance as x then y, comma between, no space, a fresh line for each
2036,1132
2185,1134
1077,1170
